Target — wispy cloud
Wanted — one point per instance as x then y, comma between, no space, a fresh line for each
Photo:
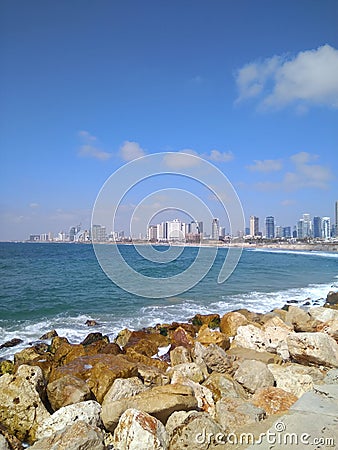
266,165
304,175
131,150
308,78
181,160
217,156
90,148
34,205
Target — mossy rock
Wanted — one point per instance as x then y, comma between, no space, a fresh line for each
6,366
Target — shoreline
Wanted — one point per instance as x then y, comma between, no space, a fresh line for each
242,372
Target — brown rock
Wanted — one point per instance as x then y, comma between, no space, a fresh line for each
91,323
206,337
240,354
94,337
57,341
67,391
152,376
6,366
49,335
155,338
11,343
211,320
112,349
135,357
160,402
332,298
99,371
13,442
214,357
143,346
181,338
223,385
122,337
231,321
26,355
180,355
273,400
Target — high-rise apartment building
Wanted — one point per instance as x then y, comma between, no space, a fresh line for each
336,219
254,226
317,227
215,229
270,227
326,227
98,233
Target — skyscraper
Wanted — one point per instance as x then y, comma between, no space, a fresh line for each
326,227
317,227
270,227
336,217
215,229
254,226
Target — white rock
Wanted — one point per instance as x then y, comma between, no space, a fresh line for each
187,370
88,412
316,348
323,314
253,375
123,388
138,430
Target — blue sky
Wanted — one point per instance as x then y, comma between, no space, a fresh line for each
251,86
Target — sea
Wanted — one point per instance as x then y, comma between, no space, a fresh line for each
60,286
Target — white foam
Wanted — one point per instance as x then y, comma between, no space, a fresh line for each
295,252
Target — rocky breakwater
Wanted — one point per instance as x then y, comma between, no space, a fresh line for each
196,385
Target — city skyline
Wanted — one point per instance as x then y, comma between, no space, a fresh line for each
221,81
176,229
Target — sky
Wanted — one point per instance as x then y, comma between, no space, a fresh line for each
251,87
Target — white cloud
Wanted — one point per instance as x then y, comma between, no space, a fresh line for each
217,156
181,160
266,165
90,149
309,78
131,150
305,175
34,205
303,158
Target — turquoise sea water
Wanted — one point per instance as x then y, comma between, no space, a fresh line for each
46,286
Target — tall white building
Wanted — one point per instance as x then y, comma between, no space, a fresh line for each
254,226
215,229
176,230
326,227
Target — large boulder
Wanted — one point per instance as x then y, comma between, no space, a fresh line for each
313,348
88,412
152,376
206,336
295,378
332,298
213,356
193,430
99,371
124,388
160,402
232,413
187,370
323,314
253,375
240,354
78,436
273,400
4,445
138,430
330,327
223,385
300,319
21,408
211,320
180,355
66,391
231,321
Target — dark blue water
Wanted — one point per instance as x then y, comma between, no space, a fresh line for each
46,286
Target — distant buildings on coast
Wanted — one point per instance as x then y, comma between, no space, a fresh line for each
306,229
